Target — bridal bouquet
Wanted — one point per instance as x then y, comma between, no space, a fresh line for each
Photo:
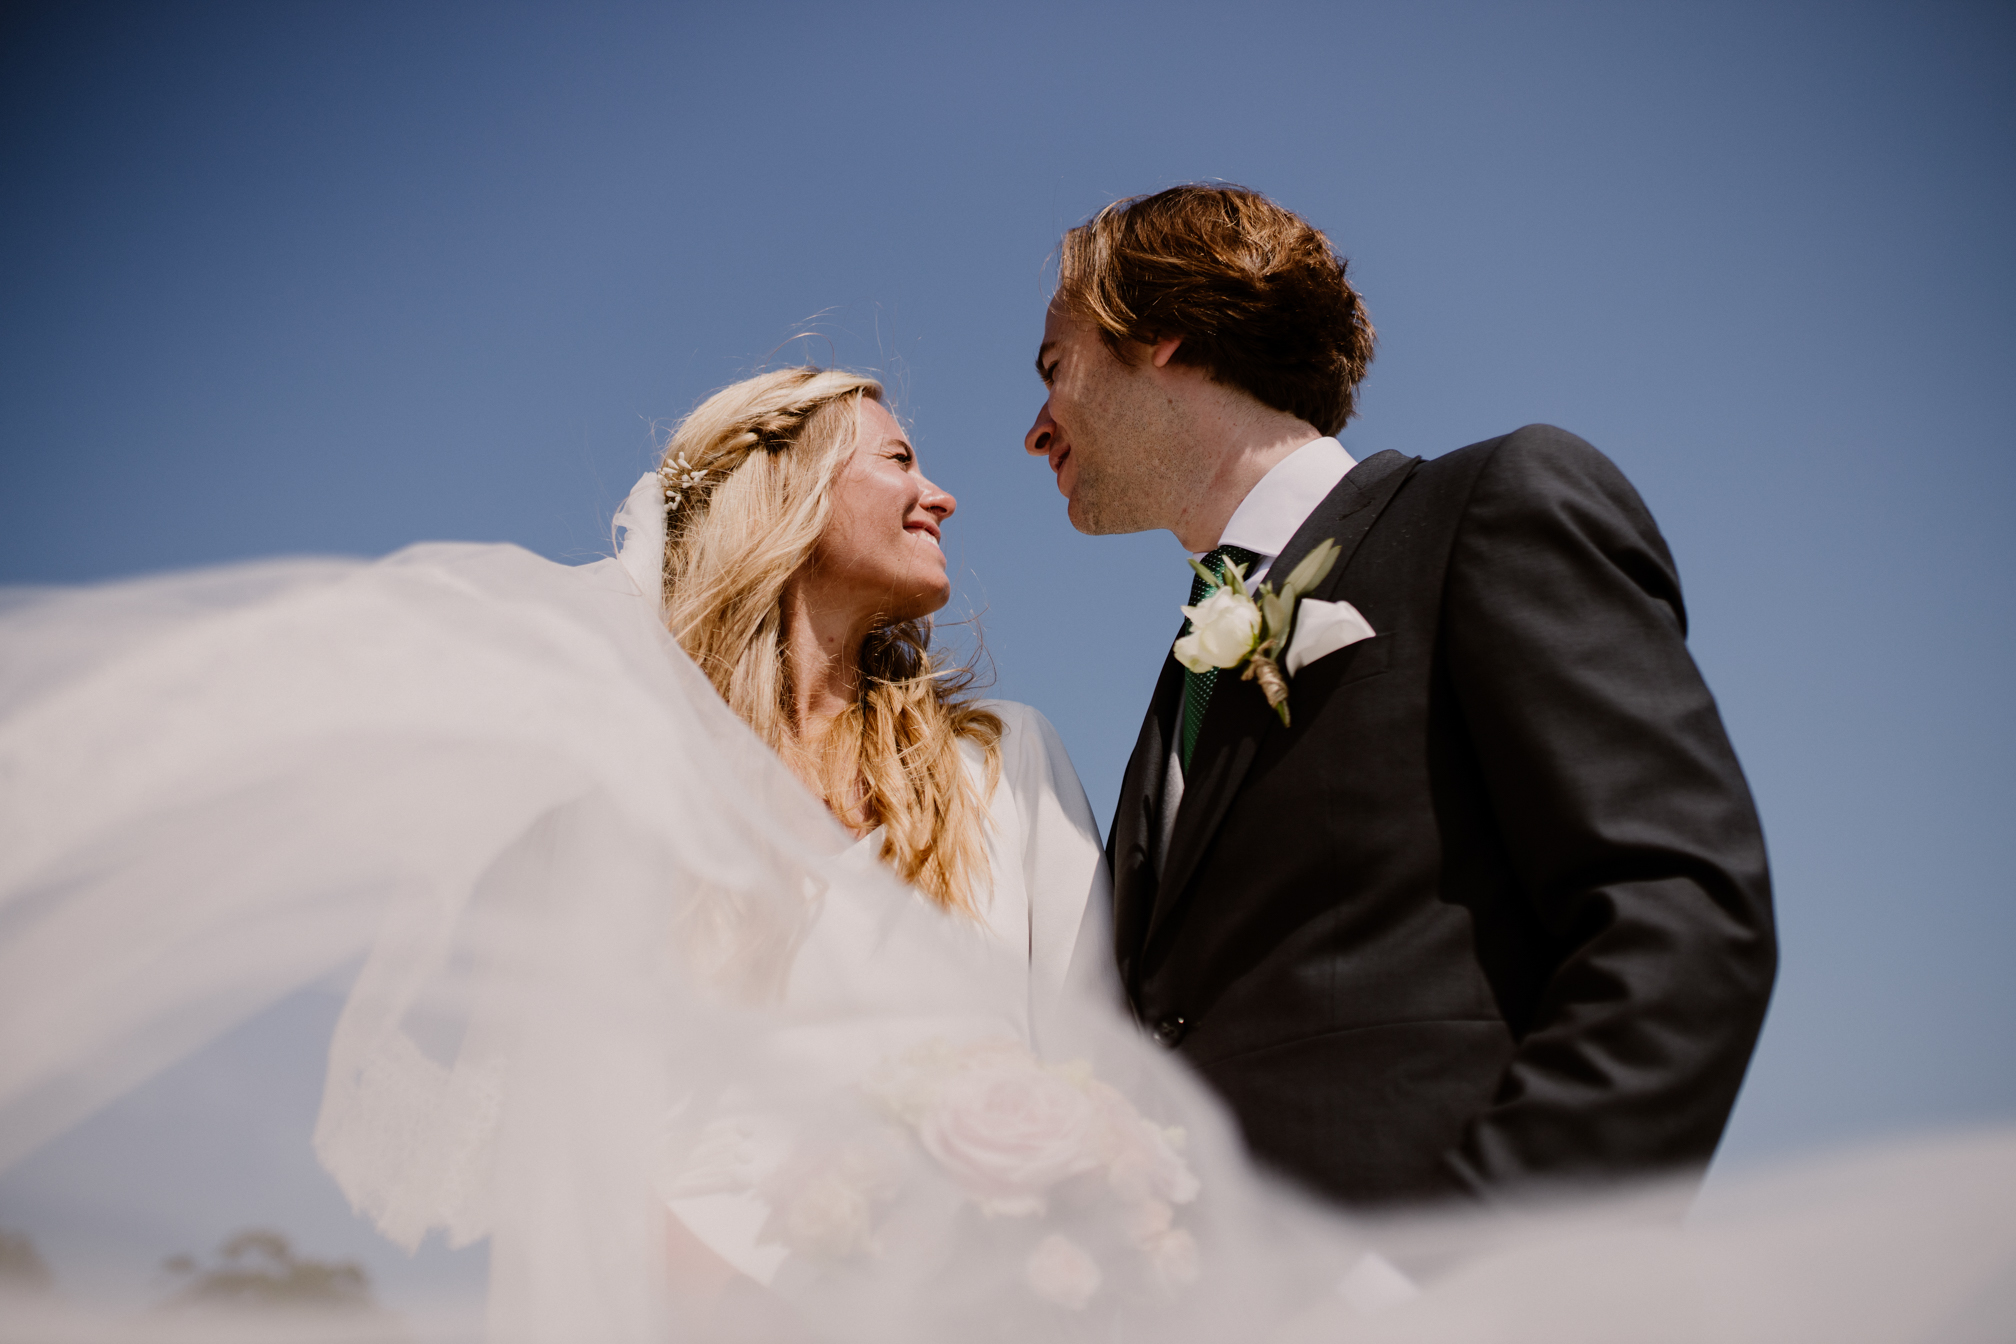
1020,1140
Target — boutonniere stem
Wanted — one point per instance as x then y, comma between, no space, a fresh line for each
1273,685
1234,626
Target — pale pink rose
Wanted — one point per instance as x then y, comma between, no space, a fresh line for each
1060,1271
1007,1129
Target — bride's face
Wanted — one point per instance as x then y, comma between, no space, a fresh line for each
880,552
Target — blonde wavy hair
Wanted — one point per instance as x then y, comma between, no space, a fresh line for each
771,448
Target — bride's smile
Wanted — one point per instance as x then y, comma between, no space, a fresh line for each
880,557
802,558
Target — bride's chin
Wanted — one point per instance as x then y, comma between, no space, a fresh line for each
933,601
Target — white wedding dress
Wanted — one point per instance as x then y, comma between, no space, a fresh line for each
616,961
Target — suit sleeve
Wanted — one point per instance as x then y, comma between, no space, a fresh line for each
1627,822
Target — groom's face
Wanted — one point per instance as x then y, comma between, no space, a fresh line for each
1109,430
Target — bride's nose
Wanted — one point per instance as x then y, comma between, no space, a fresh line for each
1038,439
938,502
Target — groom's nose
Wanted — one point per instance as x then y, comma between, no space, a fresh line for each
1041,434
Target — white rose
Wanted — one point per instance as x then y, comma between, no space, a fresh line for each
823,1204
1171,1251
1143,1159
1224,627
1007,1129
1060,1271
831,1218
1149,1220
1172,1258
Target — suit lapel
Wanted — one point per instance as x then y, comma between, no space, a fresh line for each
1130,847
1238,719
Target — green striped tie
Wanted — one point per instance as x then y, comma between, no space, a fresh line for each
1197,685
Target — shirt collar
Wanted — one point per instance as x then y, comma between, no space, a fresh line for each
1282,500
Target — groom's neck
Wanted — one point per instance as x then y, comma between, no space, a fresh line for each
1240,441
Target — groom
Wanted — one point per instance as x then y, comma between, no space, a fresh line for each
1491,908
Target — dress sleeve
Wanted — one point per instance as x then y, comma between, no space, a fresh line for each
1625,818
1063,861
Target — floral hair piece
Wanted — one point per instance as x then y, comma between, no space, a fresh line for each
679,477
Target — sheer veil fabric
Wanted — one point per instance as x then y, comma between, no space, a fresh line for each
614,957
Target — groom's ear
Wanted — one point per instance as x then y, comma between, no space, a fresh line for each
1164,350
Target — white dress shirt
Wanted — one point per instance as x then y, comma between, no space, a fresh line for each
1264,523
1282,500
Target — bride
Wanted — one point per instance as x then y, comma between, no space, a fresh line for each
802,556
711,814
714,954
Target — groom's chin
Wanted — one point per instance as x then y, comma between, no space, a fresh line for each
1094,521
1091,509
1081,518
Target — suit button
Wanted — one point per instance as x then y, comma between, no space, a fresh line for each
1169,1031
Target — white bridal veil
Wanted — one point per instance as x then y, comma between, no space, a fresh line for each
615,962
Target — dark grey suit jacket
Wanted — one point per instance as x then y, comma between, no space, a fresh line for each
1495,908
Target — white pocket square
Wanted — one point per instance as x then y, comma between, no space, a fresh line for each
1322,628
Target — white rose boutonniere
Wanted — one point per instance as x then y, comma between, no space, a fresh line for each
1224,628
1235,626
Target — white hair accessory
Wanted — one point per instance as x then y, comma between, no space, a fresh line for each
679,477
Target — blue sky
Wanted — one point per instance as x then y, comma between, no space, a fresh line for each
338,277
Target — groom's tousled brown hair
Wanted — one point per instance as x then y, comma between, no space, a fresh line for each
1256,292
